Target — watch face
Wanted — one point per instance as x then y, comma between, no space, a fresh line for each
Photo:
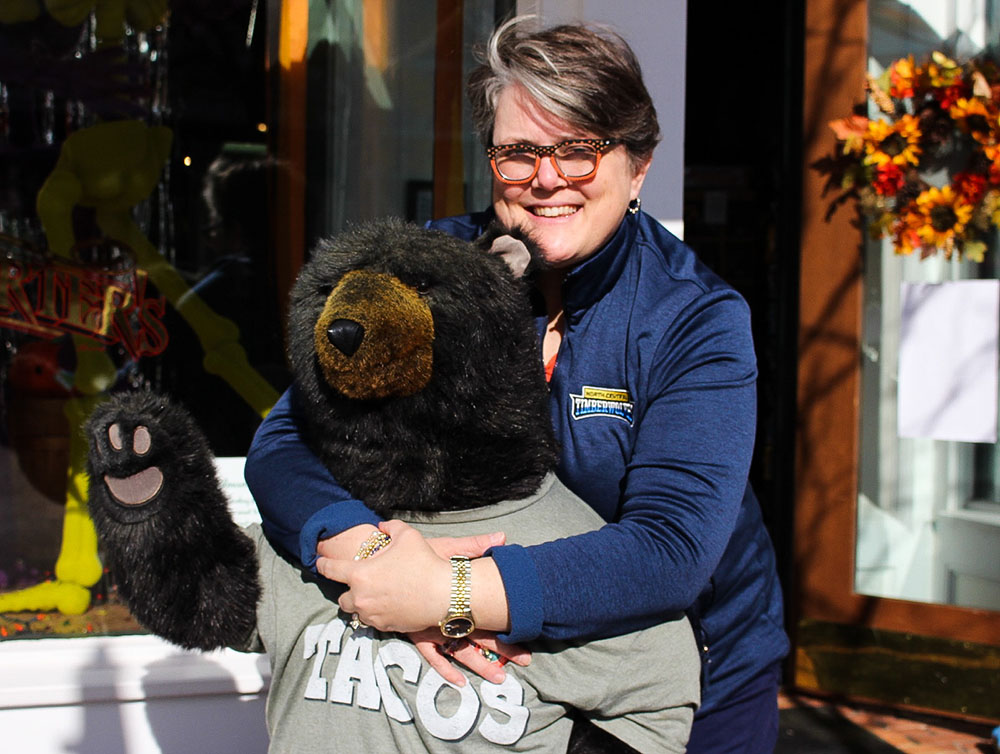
457,627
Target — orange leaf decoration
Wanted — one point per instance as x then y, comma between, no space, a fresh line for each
849,127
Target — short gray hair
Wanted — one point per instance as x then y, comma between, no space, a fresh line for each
585,75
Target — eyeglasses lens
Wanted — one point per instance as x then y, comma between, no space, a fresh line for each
577,160
515,164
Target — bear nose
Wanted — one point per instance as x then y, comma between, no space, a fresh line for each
345,335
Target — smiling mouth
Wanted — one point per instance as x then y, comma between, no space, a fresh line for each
554,211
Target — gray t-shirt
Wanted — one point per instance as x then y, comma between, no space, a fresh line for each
374,692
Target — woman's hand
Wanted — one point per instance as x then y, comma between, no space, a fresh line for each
406,586
439,651
403,587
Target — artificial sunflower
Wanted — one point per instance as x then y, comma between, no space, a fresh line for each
897,143
940,217
971,115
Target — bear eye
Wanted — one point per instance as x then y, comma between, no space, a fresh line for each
325,290
423,287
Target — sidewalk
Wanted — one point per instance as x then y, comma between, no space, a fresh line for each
814,726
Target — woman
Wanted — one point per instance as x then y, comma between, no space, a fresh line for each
652,395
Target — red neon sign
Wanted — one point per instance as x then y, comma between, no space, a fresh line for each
49,296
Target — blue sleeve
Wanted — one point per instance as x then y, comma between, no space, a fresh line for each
684,486
299,500
467,227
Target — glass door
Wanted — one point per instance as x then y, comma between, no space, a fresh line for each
928,524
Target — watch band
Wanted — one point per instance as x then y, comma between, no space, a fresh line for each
461,586
458,622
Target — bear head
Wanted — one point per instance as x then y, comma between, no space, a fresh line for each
417,370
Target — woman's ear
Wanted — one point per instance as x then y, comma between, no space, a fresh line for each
638,176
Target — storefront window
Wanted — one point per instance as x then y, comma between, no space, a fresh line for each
149,175
133,248
929,504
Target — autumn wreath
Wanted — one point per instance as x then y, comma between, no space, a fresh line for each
926,169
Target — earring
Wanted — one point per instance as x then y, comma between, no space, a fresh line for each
633,206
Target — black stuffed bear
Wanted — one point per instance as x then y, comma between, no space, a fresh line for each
415,361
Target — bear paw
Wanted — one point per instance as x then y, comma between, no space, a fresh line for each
132,445
136,443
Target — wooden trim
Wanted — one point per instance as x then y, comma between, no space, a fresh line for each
829,370
289,199
829,319
449,171
958,678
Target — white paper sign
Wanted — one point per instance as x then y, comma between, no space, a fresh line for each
241,503
948,336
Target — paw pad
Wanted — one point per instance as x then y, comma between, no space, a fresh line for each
142,441
142,486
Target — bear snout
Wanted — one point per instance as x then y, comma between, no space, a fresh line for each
374,337
345,335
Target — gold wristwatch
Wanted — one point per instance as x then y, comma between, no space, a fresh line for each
458,621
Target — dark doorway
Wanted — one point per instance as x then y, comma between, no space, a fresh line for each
742,205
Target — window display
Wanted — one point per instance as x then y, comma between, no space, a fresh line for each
117,269
164,169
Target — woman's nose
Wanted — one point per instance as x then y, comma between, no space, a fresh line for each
548,177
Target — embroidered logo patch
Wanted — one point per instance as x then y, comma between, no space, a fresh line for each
602,401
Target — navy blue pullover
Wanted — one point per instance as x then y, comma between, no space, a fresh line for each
654,406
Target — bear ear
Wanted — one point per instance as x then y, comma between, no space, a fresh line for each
515,246
513,252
